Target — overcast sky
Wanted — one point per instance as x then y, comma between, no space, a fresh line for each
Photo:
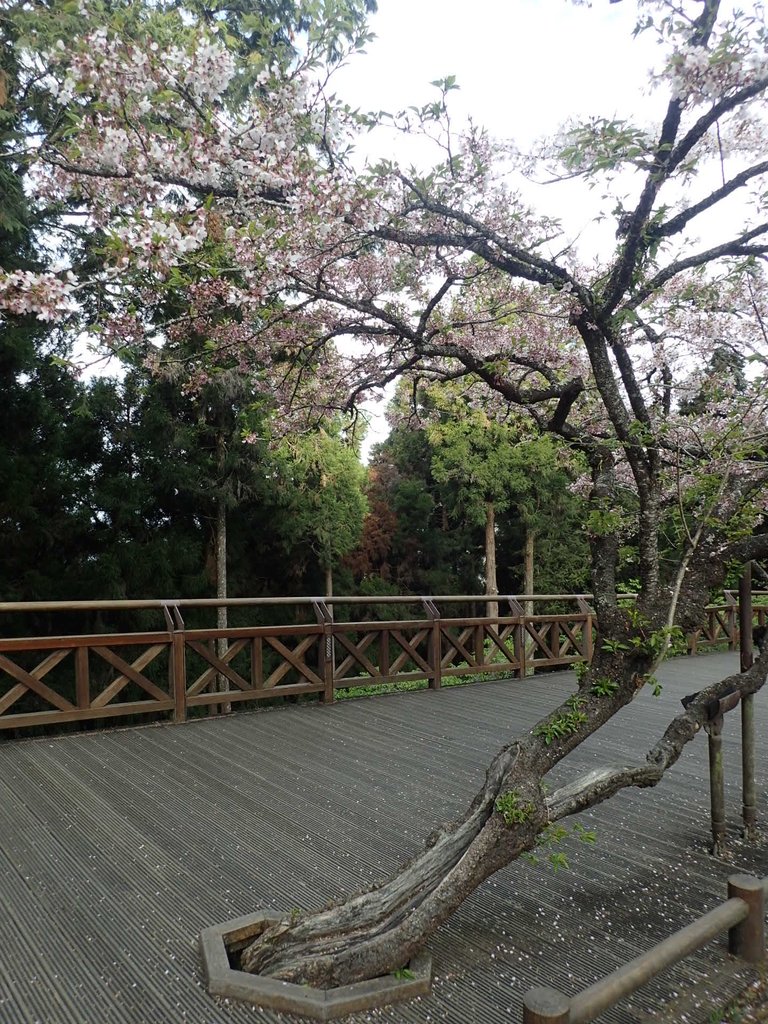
523,67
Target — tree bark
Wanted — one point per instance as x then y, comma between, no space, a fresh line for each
528,556
329,581
222,644
491,581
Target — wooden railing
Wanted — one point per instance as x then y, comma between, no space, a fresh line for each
742,916
722,623
51,680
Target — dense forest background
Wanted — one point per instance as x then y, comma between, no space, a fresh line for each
112,488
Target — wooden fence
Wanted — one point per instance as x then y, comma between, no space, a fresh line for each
742,916
50,680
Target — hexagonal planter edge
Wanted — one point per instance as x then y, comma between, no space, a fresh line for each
320,1004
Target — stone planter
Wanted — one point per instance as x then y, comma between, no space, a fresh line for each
219,941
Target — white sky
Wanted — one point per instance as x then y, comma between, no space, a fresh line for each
523,67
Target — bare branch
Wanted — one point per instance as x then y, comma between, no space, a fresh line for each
598,785
735,247
676,224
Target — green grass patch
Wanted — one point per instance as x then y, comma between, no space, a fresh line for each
352,692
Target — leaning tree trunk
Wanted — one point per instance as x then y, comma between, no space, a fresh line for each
491,581
378,931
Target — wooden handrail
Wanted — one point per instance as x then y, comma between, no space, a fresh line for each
266,602
742,915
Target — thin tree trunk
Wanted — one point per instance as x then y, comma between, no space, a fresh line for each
222,644
329,581
528,555
528,585
491,583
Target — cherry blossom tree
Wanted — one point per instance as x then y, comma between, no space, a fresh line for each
253,203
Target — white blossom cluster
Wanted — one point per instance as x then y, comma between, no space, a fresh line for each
47,296
699,75
158,243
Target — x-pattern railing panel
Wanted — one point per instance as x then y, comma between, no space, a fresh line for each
456,640
556,640
31,682
77,701
370,662
482,647
130,672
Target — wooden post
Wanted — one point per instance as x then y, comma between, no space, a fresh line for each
748,792
554,640
748,798
179,675
746,645
82,678
326,652
384,660
518,636
435,656
747,938
732,621
479,645
588,641
717,784
329,664
545,1005
693,642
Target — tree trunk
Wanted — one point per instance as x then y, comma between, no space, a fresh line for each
222,644
528,555
379,930
329,581
491,583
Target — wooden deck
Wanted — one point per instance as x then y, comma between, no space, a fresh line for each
118,847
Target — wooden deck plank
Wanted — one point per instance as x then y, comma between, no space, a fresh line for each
118,847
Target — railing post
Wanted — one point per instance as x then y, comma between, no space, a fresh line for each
716,784
518,641
327,654
748,793
545,1005
178,663
478,644
693,642
747,938
589,640
746,645
82,678
554,640
731,611
435,656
